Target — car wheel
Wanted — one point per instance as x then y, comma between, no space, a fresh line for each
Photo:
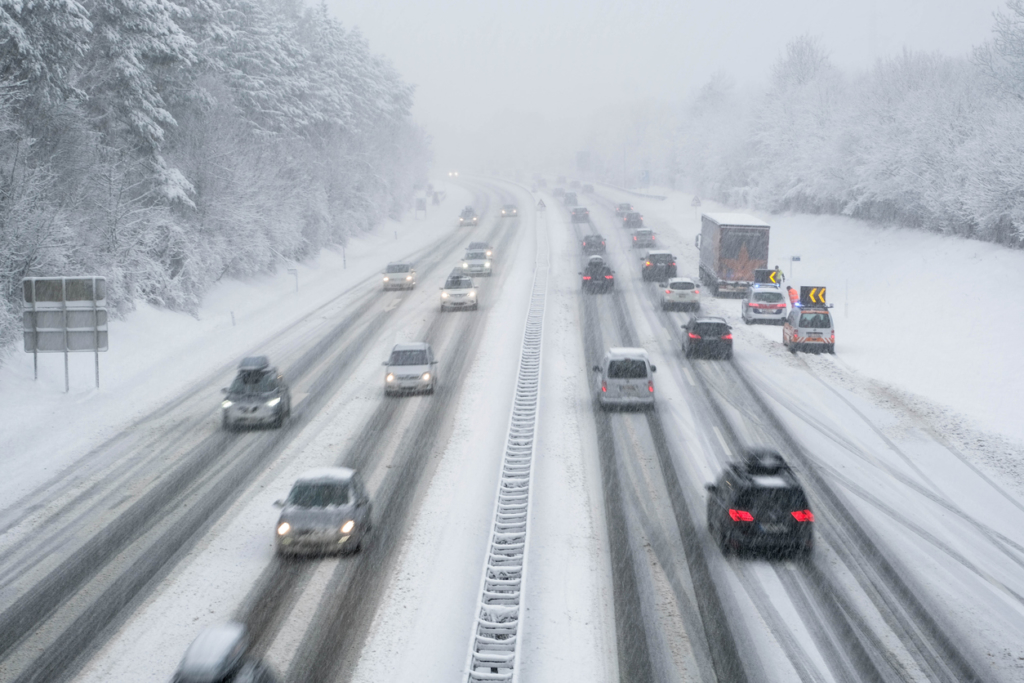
279,421
688,352
225,424
832,349
664,306
476,306
728,356
747,321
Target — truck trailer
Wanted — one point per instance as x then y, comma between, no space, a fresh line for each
732,246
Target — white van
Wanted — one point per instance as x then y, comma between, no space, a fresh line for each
625,379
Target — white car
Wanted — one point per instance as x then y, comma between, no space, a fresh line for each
459,292
410,369
764,303
476,262
625,379
681,293
399,276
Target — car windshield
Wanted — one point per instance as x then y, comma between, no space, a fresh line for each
643,233
768,297
472,255
398,268
625,207
763,500
477,245
681,285
627,368
711,329
319,494
816,321
459,283
253,382
408,357
660,258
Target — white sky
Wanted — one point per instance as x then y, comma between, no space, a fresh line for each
481,65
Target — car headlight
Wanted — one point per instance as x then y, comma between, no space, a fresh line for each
465,265
487,264
273,402
283,528
426,377
408,277
444,295
226,403
390,377
461,219
348,526
386,278
472,294
488,254
503,212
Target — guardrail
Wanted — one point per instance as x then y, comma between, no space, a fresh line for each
493,650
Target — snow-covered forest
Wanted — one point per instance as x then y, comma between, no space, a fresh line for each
922,140
166,144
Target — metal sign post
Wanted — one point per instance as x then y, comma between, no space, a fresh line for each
64,315
792,260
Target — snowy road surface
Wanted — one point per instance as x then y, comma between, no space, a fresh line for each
118,548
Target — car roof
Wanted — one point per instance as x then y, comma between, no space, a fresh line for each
254,363
657,252
813,309
460,278
214,651
765,285
708,319
682,279
400,263
326,474
595,234
627,352
411,346
478,245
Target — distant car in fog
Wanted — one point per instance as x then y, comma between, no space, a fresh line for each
707,337
570,199
632,219
643,238
680,292
468,216
622,209
458,292
482,246
558,192
593,244
597,277
257,396
220,654
327,511
588,188
758,504
625,379
453,174
659,265
399,276
410,369
509,211
580,214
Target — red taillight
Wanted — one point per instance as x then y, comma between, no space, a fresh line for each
648,263
673,263
696,291
726,336
650,386
668,291
608,277
741,516
586,277
803,515
604,387
602,242
779,306
832,337
694,336
753,305
634,239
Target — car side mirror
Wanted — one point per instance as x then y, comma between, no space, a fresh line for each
597,368
279,503
385,363
224,390
711,488
696,242
663,284
433,362
654,368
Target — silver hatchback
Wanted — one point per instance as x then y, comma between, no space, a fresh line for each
625,379
763,303
327,511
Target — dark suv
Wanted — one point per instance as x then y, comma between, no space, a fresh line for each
257,396
598,278
593,244
658,266
632,220
758,504
709,337
580,214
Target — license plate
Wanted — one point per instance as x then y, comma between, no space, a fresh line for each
773,528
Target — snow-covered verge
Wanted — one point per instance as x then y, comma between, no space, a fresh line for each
156,354
926,324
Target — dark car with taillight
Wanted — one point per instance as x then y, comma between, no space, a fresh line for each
758,504
580,214
597,277
632,220
708,338
658,266
593,244
622,209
